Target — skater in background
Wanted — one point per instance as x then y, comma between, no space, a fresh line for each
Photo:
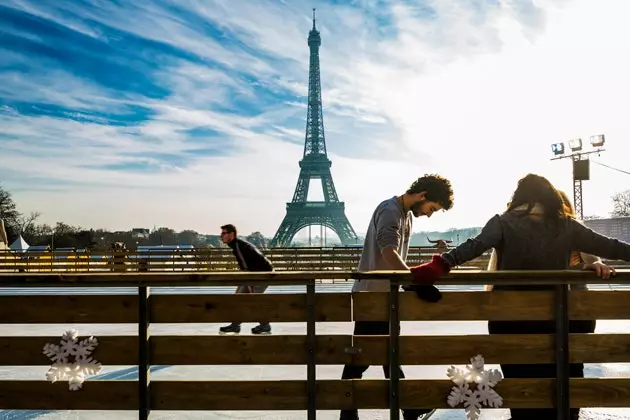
249,258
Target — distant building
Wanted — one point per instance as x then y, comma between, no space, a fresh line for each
162,249
140,233
39,248
616,227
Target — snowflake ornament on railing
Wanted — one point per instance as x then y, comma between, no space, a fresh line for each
474,387
82,366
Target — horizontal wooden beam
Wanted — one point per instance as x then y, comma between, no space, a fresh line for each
212,251
43,395
456,277
414,350
212,255
496,305
201,259
456,306
372,394
248,350
27,351
292,394
331,349
329,307
300,263
504,348
68,309
606,304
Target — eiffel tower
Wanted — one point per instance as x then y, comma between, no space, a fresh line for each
314,165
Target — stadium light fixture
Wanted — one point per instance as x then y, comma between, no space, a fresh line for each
557,148
575,145
598,140
581,164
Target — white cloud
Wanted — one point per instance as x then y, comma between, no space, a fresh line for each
488,117
202,86
477,94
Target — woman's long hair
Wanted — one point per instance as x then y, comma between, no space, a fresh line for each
568,207
534,189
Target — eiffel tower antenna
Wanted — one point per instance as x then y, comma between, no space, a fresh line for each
315,164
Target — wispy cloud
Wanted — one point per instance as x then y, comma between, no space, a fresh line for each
190,113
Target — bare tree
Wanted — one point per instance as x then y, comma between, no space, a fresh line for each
8,209
9,213
188,237
621,204
27,222
257,239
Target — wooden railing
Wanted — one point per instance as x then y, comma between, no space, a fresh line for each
206,259
148,310
202,259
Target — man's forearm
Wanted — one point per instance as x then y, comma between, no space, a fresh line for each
393,260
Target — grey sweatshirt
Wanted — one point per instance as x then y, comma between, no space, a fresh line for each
390,227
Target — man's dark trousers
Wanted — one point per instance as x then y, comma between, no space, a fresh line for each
356,371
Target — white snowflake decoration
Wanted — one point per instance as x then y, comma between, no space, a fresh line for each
82,366
474,387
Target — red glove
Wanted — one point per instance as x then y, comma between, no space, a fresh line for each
428,273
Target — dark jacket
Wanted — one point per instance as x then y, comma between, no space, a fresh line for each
249,258
528,243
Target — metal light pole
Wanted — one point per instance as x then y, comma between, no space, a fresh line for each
581,168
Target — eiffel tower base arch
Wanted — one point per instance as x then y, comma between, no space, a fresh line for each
301,215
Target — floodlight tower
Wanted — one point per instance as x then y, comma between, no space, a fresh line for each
581,168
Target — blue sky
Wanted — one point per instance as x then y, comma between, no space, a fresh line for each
191,114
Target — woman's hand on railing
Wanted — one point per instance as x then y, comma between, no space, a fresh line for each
602,270
429,273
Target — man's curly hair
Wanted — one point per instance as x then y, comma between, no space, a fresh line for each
436,188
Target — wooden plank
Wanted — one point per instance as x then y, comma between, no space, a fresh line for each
247,395
294,259
516,393
456,306
316,258
504,348
415,350
599,304
497,305
284,259
599,348
416,253
372,394
68,309
329,307
157,266
247,350
202,254
209,278
43,395
27,351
